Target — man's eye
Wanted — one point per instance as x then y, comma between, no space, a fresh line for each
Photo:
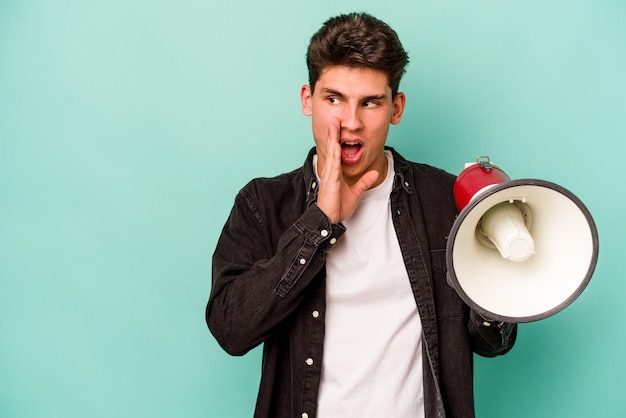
333,100
370,104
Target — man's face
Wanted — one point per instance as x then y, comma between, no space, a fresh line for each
360,100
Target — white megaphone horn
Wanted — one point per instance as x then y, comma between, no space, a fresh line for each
519,250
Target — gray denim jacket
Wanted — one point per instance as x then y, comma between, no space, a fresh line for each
268,287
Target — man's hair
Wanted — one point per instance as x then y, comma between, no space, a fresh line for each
357,40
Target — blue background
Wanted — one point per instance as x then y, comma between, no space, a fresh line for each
128,126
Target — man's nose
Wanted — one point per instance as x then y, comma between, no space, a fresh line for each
351,119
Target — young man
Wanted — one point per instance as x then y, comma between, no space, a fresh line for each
338,267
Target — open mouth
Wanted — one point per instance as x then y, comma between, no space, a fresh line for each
350,149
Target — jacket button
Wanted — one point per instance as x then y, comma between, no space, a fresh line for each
315,314
324,233
302,261
305,415
309,361
333,240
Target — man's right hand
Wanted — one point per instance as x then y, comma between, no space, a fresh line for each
336,198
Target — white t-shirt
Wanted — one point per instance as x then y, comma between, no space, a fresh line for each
372,362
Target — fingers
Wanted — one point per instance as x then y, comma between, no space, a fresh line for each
332,154
333,130
329,196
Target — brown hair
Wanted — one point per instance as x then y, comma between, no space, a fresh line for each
357,40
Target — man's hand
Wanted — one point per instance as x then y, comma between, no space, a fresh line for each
336,198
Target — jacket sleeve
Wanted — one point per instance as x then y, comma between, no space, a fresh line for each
490,338
257,283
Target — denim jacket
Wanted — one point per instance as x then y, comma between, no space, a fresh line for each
269,287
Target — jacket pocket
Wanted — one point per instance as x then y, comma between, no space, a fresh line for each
447,301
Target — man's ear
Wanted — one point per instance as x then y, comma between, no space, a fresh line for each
305,98
398,108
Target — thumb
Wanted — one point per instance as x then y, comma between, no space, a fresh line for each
366,181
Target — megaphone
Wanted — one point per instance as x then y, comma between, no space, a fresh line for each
519,250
